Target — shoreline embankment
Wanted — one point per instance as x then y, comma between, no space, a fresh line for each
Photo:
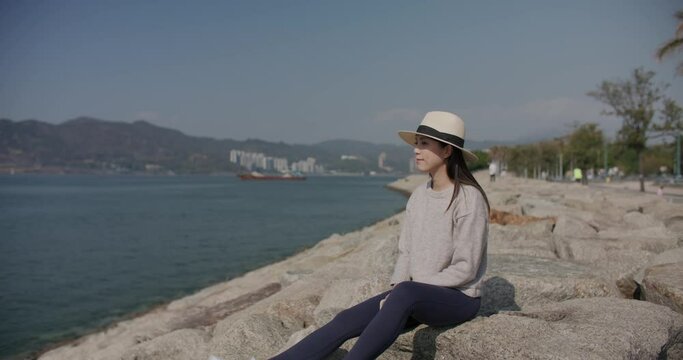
588,273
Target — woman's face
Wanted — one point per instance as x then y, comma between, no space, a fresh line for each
430,154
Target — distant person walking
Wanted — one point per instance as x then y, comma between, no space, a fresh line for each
493,170
578,175
438,275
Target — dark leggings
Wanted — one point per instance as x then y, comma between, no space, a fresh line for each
409,303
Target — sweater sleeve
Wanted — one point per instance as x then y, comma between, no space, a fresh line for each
471,232
402,267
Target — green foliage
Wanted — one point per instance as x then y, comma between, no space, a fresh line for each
658,156
583,147
671,116
586,145
482,163
634,102
674,45
625,158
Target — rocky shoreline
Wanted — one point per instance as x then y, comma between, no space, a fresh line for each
568,273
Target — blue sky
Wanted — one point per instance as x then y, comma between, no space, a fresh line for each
309,71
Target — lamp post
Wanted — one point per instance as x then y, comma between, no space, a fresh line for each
605,158
678,156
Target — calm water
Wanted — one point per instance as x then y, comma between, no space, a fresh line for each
79,252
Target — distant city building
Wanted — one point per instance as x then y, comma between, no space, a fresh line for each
258,161
380,162
280,164
349,157
307,166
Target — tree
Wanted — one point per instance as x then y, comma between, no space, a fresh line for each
585,144
672,119
634,102
672,123
675,44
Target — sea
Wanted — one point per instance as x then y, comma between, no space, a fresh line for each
80,252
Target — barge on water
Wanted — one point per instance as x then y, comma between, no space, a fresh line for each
258,176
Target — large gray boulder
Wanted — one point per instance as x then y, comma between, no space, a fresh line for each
608,260
572,226
184,344
345,294
596,328
530,239
663,284
666,257
261,334
654,239
514,282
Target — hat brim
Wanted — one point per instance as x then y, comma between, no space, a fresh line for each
409,137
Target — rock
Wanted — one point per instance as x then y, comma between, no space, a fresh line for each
663,284
597,328
291,276
185,344
529,239
539,207
570,226
296,337
345,293
258,335
514,209
637,220
408,184
666,257
675,224
654,239
514,282
203,316
609,261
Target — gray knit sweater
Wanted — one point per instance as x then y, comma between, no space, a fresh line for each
444,248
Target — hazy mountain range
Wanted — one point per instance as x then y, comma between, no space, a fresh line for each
92,145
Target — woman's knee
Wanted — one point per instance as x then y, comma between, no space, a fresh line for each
405,290
345,317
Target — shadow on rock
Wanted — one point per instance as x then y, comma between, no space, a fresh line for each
337,355
499,295
424,342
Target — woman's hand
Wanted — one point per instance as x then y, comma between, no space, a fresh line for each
381,302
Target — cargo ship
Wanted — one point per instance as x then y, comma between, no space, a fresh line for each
258,176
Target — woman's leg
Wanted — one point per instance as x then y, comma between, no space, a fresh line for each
347,324
429,304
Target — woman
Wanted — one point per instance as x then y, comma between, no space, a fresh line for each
438,275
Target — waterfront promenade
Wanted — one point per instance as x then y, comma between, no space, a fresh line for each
574,272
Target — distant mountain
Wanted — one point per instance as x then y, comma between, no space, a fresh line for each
87,144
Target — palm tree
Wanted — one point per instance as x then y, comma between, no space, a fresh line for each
675,44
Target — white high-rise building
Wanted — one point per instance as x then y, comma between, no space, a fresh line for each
254,161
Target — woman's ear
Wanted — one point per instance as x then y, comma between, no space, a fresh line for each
447,151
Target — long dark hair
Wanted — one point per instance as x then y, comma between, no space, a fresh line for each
457,171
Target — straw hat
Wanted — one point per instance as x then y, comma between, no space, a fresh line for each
442,126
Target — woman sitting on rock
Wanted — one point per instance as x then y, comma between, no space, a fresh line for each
438,275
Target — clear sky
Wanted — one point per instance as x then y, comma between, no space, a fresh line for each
308,71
